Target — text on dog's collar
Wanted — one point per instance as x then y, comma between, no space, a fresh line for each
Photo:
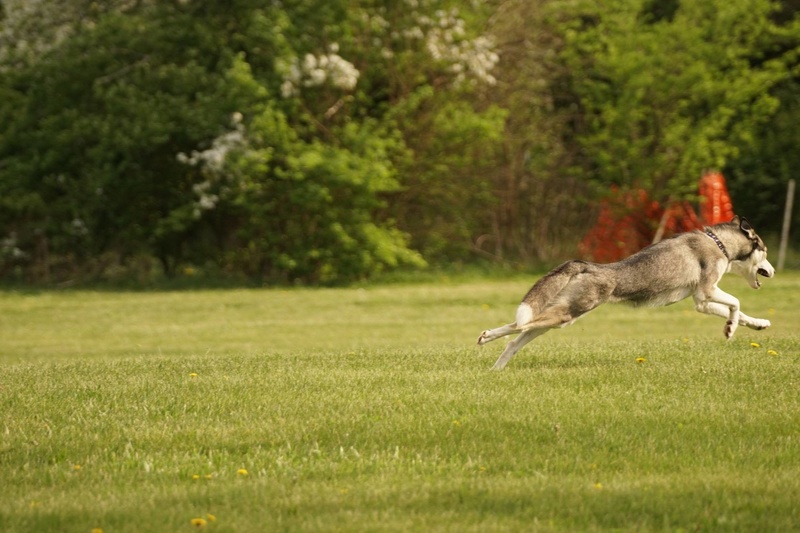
719,243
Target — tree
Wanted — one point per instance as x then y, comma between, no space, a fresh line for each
667,93
264,141
543,205
758,179
90,149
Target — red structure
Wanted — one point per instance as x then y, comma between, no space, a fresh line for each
715,202
630,221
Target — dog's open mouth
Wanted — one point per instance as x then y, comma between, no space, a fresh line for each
761,272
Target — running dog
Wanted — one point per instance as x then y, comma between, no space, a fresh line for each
689,264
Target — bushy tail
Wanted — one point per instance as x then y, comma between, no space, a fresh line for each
524,314
546,289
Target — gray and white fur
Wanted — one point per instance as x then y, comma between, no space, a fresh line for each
689,264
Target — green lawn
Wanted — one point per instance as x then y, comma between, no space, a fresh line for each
371,409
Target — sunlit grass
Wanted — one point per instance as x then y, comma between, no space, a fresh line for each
371,409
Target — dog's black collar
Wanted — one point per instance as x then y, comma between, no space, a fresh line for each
719,244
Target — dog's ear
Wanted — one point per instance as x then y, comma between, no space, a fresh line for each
746,228
736,220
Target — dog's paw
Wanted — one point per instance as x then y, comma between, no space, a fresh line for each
730,328
759,324
483,338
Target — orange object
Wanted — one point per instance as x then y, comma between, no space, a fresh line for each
626,224
715,202
629,221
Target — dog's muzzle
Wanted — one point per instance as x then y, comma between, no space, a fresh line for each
764,273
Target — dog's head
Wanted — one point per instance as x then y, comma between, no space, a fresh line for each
751,261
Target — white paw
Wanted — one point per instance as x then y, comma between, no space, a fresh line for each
483,338
759,323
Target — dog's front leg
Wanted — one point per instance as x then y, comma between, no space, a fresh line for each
722,311
704,304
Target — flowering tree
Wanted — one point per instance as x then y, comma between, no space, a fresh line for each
275,142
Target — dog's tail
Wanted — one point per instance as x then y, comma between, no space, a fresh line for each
547,289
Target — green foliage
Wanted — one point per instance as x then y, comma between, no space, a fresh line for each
758,179
669,95
96,138
305,208
235,137
443,203
323,142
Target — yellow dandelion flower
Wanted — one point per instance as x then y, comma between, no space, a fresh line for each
195,476
640,360
208,476
211,517
97,530
456,423
242,472
76,467
598,486
199,522
193,375
755,345
772,352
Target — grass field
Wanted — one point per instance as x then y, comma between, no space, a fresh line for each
371,409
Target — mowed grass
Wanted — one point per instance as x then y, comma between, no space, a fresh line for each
371,409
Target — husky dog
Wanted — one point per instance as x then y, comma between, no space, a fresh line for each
689,264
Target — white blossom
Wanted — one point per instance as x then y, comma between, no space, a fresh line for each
78,227
414,33
9,248
30,28
316,71
288,89
444,37
206,201
316,77
213,158
211,162
445,42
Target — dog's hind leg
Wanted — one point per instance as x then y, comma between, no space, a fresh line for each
554,317
557,316
524,315
515,345
490,335
720,310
